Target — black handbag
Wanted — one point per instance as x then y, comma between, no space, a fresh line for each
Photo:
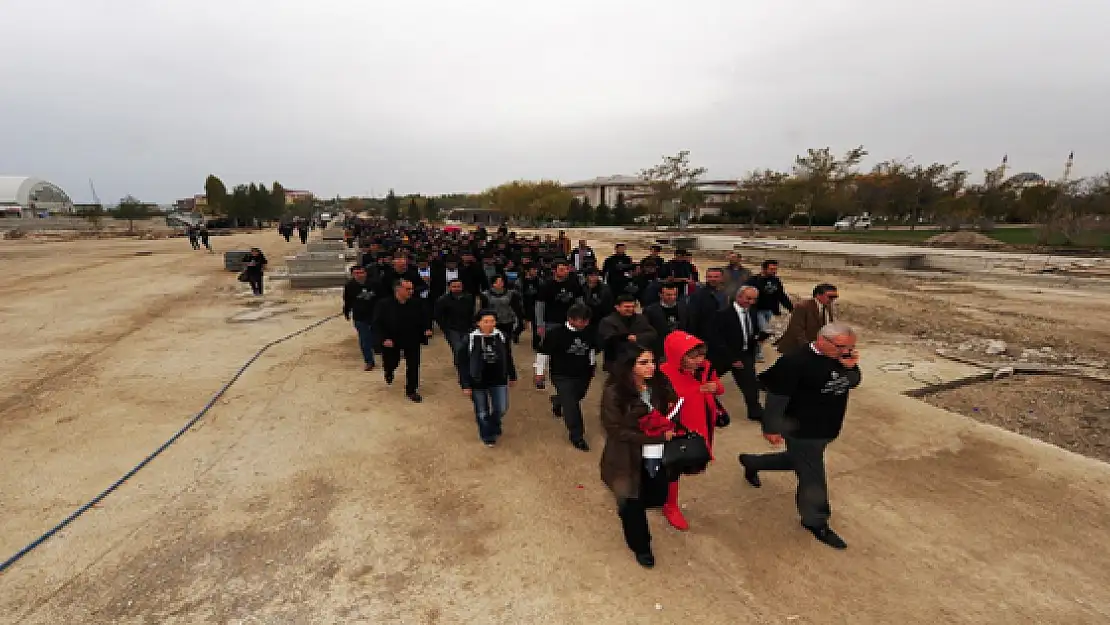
685,454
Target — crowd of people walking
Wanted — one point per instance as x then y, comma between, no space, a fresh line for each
664,336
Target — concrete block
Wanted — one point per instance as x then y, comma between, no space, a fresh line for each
326,246
308,265
317,280
333,234
233,260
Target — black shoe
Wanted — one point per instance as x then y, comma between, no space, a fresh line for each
646,560
827,536
389,377
416,397
723,420
750,474
556,407
581,444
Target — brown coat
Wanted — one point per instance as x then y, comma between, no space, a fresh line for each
622,458
805,323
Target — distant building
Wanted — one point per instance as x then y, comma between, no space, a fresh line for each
1026,180
715,194
476,216
292,196
24,196
607,188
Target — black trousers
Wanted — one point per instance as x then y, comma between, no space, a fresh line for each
749,386
806,458
633,512
570,392
391,359
255,280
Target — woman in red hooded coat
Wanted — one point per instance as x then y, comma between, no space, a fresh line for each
695,382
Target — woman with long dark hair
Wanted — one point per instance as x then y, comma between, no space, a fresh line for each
636,397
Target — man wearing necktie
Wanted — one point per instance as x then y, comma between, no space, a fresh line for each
736,333
808,318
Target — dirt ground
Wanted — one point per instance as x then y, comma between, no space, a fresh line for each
313,493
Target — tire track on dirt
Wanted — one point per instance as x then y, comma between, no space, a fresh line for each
70,370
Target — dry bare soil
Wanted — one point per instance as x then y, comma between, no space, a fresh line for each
314,493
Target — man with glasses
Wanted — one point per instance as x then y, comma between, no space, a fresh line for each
807,397
808,318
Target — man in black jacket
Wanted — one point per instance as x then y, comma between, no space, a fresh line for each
623,329
772,296
454,313
402,326
735,334
807,397
358,302
666,316
704,304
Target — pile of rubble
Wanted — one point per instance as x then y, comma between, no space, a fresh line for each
1000,350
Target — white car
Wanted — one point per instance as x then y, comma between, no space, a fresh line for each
853,223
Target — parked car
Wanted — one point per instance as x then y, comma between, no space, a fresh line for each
853,222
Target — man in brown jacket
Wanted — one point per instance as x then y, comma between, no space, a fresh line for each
808,318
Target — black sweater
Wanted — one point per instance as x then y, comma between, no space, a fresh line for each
571,352
485,361
772,295
807,395
404,324
358,300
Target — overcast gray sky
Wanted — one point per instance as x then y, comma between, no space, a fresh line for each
353,96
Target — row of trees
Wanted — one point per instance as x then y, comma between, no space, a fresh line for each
250,203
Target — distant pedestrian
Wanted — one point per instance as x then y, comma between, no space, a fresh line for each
772,297
191,232
454,313
486,371
255,265
302,230
203,235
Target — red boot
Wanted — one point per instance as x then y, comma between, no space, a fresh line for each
671,511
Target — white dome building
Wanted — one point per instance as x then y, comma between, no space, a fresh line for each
23,196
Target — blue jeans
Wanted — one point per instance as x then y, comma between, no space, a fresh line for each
763,317
490,405
365,341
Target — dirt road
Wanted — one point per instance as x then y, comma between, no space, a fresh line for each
313,493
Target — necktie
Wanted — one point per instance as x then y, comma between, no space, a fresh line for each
744,325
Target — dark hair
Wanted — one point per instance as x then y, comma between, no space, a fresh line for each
399,281
561,263
624,298
767,263
669,285
622,379
717,269
823,288
485,312
579,311
357,268
450,282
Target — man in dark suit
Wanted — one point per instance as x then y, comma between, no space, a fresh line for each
736,332
807,319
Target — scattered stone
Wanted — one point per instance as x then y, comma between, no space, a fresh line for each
996,347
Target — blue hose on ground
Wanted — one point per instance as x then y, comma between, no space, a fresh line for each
173,439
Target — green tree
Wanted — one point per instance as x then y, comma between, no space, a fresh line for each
392,207
216,194
621,215
529,200
574,212
130,208
237,205
431,211
673,182
824,179
277,201
603,216
414,210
